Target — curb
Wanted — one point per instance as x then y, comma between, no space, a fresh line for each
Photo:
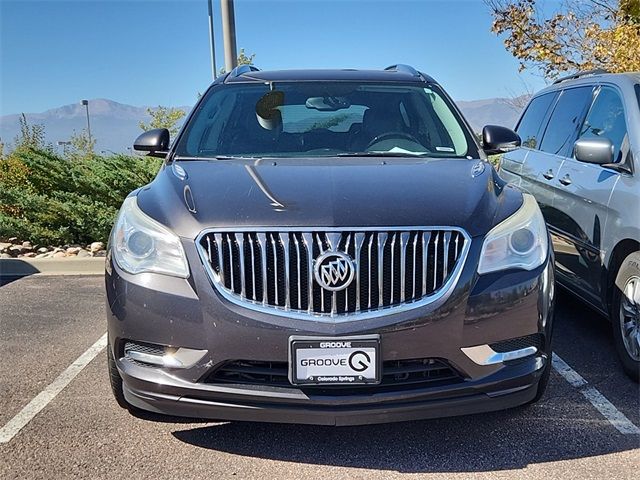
22,267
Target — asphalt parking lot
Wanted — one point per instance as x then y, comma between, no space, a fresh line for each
46,323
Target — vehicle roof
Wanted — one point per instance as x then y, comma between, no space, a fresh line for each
330,75
590,79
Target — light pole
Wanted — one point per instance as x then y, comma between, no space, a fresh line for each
212,41
86,104
64,145
229,34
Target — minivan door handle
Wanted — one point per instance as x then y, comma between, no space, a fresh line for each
548,174
566,180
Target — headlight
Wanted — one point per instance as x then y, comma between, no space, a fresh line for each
520,241
140,244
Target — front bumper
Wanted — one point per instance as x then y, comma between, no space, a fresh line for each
189,313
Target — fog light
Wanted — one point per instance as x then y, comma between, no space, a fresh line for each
150,354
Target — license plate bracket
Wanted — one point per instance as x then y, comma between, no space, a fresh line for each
353,360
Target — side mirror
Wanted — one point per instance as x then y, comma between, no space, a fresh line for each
594,150
497,139
155,141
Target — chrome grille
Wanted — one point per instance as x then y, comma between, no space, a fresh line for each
274,269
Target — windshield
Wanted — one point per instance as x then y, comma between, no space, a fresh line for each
325,119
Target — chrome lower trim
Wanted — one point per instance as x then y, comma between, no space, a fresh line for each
436,298
485,355
172,357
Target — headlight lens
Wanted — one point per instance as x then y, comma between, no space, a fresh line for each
140,244
520,241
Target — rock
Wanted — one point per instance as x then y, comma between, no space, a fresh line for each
5,255
13,240
27,245
83,253
15,250
96,247
101,253
57,249
29,255
59,254
43,250
73,250
42,255
4,247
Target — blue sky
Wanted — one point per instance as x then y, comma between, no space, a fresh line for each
145,52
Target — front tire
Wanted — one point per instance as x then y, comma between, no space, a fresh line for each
543,382
116,380
625,315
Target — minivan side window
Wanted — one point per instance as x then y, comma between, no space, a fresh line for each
564,122
606,120
531,122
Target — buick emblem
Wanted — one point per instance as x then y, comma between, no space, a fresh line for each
334,271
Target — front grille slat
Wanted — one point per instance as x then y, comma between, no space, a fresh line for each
415,260
240,242
426,239
404,238
276,269
253,268
262,242
284,239
435,261
307,239
447,238
382,240
358,245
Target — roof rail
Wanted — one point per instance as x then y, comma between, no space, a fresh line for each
241,70
400,67
596,71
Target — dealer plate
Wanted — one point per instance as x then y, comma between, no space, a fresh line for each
334,361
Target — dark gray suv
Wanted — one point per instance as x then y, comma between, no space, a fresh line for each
328,247
579,158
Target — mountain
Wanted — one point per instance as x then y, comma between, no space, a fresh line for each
115,125
493,111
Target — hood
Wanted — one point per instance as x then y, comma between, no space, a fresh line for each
189,196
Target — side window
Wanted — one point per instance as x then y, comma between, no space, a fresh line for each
565,120
531,122
606,119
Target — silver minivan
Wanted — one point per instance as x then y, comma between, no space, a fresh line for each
579,158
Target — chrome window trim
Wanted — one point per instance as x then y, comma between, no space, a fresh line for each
441,295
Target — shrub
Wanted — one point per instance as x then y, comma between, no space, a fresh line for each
51,200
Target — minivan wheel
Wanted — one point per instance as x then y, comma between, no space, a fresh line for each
625,315
543,382
116,380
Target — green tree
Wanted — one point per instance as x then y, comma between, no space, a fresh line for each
579,35
243,59
30,136
163,117
81,144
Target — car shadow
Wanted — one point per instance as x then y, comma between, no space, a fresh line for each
12,269
505,440
562,426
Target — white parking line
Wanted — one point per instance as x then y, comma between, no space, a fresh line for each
25,415
599,401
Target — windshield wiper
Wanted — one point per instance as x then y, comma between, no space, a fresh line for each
382,154
235,157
